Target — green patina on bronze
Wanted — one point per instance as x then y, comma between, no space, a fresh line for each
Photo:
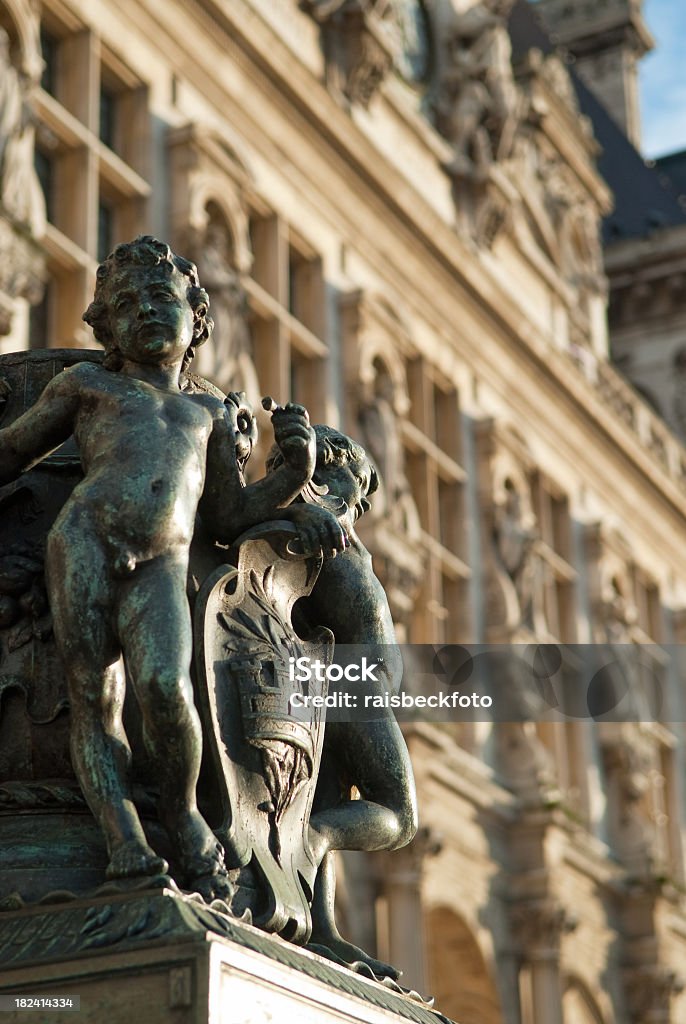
123,477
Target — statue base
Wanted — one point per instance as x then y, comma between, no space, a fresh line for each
160,956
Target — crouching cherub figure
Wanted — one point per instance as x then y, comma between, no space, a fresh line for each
369,755
117,556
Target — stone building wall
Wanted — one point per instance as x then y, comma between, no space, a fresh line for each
400,227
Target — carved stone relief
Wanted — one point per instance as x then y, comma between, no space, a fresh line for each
376,380
22,206
477,105
210,219
357,45
513,583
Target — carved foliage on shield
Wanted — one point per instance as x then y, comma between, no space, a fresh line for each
264,754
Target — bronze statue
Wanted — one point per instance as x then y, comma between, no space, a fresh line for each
117,556
372,756
253,800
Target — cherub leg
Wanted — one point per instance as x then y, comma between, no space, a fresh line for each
326,938
373,757
154,622
81,599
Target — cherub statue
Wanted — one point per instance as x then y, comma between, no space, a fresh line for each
117,555
370,755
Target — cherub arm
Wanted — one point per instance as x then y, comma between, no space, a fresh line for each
227,507
41,429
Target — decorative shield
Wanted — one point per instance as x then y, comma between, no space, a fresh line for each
262,754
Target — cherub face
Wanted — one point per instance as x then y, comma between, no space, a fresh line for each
350,481
151,318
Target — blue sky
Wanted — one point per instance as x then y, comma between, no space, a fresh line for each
663,78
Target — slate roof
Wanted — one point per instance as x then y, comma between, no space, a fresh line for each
646,193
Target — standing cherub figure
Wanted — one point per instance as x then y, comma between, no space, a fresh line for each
117,555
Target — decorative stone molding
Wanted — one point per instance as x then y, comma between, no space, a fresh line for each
539,925
357,46
650,990
206,169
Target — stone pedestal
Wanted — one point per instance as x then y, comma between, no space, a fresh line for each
157,956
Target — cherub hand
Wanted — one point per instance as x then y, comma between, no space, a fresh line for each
244,423
318,529
294,436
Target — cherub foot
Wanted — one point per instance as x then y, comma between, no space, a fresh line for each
214,886
134,859
202,857
335,948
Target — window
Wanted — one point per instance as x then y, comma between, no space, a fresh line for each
286,298
432,438
92,179
551,508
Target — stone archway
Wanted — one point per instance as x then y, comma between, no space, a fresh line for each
459,977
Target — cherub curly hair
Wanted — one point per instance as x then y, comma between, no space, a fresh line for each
333,449
145,251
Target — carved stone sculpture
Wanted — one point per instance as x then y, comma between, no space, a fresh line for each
19,189
230,363
358,51
22,207
478,102
514,540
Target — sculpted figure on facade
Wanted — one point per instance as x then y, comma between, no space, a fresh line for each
478,101
629,761
230,365
19,188
358,49
395,516
380,415
514,536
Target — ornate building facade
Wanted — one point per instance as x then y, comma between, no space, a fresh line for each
396,207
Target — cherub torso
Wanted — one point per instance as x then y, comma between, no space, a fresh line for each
143,452
349,599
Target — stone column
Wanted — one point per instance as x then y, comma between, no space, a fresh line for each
538,927
402,888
